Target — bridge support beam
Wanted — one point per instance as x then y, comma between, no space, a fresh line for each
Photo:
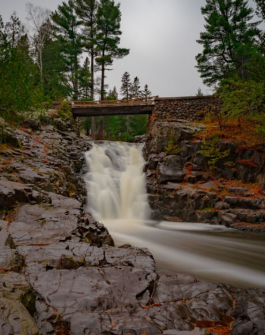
111,110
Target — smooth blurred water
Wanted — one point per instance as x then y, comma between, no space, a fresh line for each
117,198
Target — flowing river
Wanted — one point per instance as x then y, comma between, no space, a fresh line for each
117,197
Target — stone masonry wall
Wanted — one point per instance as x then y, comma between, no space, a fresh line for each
186,108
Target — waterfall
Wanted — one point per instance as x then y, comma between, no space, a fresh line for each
116,182
117,197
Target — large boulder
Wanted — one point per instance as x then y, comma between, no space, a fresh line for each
9,137
171,169
33,124
12,192
162,132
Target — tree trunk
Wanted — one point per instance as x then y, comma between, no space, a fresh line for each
101,124
92,94
93,127
41,68
76,83
102,93
101,128
92,74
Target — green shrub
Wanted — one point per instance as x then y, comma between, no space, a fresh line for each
64,109
260,130
241,98
212,150
172,148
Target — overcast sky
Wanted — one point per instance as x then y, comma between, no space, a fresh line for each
161,36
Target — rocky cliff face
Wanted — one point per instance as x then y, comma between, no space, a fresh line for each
59,270
183,186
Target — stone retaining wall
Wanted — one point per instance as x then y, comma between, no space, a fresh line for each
186,108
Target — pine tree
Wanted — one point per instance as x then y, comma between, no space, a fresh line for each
112,95
55,82
108,40
261,8
14,30
146,93
87,10
19,88
66,26
126,86
136,88
108,37
85,80
199,93
227,41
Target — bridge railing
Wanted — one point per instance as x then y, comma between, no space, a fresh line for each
112,103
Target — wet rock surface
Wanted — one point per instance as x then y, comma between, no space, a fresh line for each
183,187
60,272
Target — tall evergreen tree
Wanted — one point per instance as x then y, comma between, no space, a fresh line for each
108,40
18,81
146,93
199,92
228,40
136,88
66,27
87,10
55,82
112,95
14,30
85,80
108,37
261,8
126,86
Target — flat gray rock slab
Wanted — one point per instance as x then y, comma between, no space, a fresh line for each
135,257
45,225
10,192
14,317
92,289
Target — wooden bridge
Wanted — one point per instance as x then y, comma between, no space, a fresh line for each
137,106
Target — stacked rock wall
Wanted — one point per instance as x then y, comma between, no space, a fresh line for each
185,108
183,185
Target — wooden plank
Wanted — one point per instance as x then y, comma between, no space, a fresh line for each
113,103
118,110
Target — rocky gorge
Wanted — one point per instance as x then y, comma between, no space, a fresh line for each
60,272
183,186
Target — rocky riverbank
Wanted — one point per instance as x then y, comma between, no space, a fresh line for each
60,272
183,186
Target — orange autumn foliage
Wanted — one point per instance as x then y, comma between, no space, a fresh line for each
244,134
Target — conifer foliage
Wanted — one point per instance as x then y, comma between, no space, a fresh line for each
227,40
108,37
136,88
146,93
126,85
19,89
261,8
87,10
66,28
233,59
53,54
67,55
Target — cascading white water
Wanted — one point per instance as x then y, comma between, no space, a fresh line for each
116,182
117,197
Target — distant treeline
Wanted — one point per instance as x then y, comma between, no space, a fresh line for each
59,55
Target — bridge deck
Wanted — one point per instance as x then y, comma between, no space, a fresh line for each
113,107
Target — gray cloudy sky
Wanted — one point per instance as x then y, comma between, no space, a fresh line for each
161,36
